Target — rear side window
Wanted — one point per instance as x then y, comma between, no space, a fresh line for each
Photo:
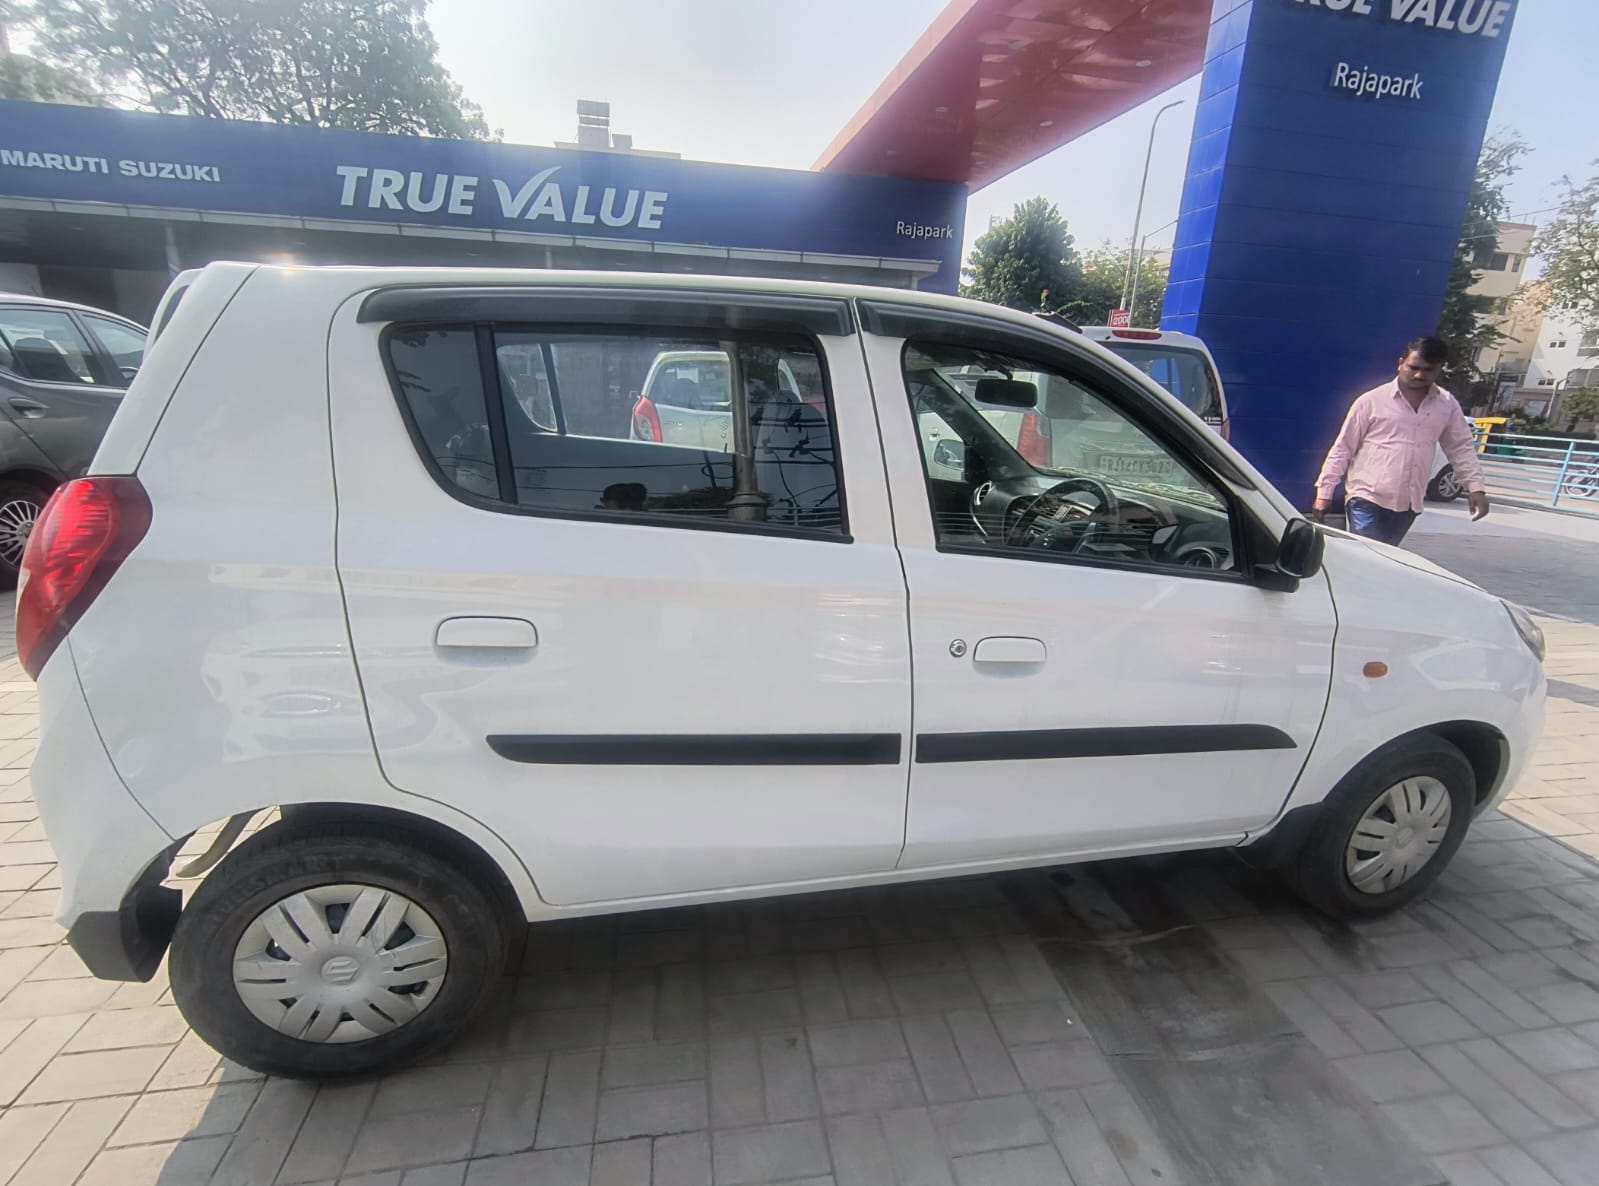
123,343
45,345
1184,373
602,425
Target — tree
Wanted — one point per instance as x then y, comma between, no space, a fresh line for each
1099,288
369,65
1018,261
25,77
1467,321
1570,247
1580,403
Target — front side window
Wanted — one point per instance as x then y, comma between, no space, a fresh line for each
45,345
1032,462
596,425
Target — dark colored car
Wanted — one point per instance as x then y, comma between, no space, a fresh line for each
63,370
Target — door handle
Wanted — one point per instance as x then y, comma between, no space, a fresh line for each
29,408
514,634
1010,651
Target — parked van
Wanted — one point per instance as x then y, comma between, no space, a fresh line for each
479,668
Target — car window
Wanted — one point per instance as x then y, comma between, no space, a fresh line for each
1185,373
697,384
45,345
437,373
1106,490
124,343
583,441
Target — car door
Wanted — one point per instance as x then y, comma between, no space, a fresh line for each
654,669
56,390
1087,680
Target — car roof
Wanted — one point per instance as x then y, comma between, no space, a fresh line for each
25,298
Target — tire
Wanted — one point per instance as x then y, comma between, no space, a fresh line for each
239,911
20,504
1445,487
1326,867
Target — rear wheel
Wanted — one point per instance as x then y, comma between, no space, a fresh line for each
1388,830
20,505
334,952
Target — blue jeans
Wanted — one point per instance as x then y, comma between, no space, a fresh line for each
1378,523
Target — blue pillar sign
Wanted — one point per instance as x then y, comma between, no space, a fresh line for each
1333,154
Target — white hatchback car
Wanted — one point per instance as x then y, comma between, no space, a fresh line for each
409,581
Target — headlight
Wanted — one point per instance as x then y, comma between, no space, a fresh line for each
1526,627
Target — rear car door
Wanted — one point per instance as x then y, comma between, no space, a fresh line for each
652,668
57,389
1097,667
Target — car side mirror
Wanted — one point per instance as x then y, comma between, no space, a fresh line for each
1301,550
950,454
129,373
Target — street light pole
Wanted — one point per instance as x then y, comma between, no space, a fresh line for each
1138,269
1138,217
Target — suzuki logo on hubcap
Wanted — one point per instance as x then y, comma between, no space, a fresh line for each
341,969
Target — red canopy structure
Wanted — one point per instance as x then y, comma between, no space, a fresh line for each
994,84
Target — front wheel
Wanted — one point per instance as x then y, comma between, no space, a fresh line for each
334,952
1445,487
1388,829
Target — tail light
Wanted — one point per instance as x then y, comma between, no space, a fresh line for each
646,420
82,536
1138,335
1035,443
1036,440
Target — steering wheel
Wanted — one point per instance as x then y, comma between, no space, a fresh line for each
1053,507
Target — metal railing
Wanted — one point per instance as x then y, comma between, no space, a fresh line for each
1547,471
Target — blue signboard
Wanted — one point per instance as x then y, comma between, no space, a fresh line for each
1333,153
132,158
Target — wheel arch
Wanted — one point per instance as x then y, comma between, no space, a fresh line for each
431,833
1485,748
40,479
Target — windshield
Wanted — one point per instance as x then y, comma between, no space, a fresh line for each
1183,372
1071,431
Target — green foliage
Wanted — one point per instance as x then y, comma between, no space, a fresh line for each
1570,245
24,77
370,65
1467,321
1580,403
1099,290
1019,261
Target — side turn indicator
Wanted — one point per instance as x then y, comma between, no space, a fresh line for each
1374,670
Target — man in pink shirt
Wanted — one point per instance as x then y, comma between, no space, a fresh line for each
1386,449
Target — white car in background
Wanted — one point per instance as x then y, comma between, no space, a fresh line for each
687,396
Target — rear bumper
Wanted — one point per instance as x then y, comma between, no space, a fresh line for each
111,853
127,943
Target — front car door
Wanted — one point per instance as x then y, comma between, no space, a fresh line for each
652,668
55,386
1097,670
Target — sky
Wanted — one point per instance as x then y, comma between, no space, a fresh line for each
768,82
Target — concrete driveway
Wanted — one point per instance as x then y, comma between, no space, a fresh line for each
1156,1022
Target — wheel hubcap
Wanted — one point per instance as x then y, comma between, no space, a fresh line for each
17,518
340,963
1399,835
1448,484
